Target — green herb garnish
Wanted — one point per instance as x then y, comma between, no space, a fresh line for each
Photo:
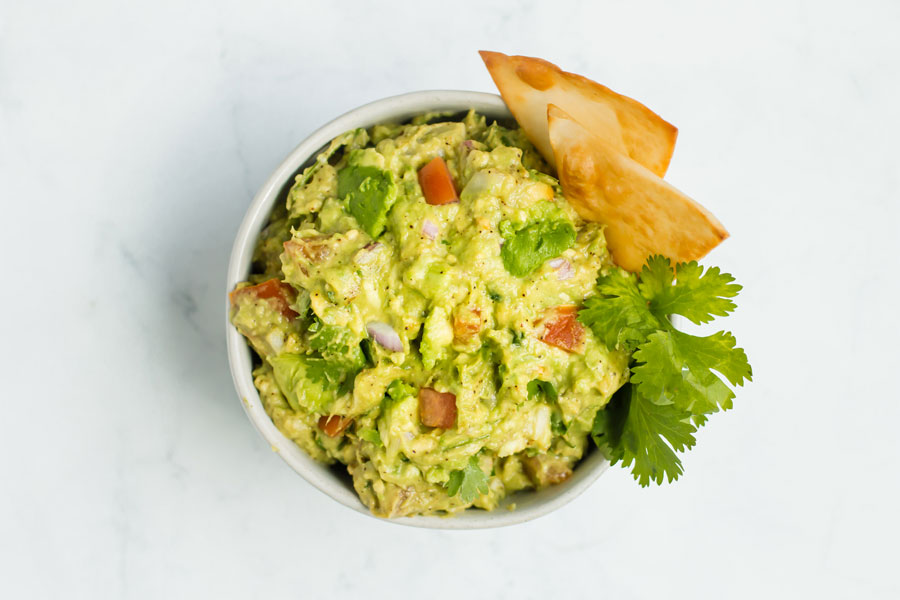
675,377
469,482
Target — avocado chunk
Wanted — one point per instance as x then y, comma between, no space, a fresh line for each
336,344
398,391
310,383
527,249
370,193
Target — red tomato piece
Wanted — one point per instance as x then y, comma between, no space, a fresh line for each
334,425
437,184
437,409
562,329
278,292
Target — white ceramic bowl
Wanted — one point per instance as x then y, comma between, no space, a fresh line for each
529,505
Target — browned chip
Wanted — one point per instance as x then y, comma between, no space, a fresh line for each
528,85
643,214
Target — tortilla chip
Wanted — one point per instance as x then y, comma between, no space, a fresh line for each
643,214
528,85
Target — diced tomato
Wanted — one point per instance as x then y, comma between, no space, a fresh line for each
562,329
436,182
466,323
277,292
437,409
334,425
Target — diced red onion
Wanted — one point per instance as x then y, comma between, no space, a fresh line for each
469,144
564,269
385,335
429,229
367,254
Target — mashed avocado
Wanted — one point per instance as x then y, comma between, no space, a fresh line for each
413,305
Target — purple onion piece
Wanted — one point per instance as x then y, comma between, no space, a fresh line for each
556,263
384,335
429,229
564,271
367,254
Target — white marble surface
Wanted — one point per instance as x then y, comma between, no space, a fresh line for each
131,140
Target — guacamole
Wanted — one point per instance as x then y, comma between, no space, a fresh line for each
413,304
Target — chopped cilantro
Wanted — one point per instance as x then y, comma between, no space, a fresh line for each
307,382
557,425
313,381
469,482
336,344
397,390
538,387
464,442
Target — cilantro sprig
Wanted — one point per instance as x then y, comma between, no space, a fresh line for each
676,378
469,482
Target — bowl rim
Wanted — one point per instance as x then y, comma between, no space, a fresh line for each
529,505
